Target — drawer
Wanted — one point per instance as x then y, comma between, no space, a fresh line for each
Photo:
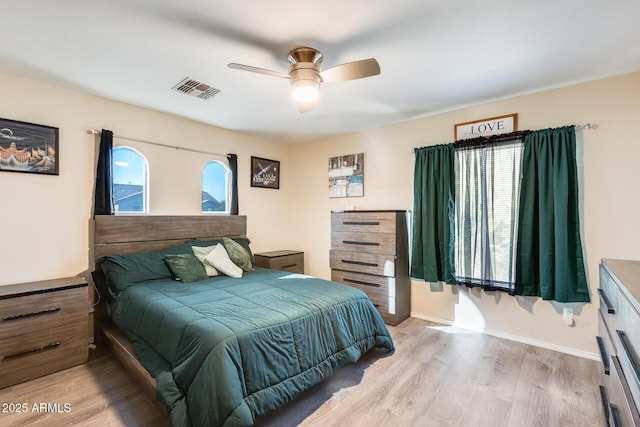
364,222
620,408
608,292
379,289
32,355
363,262
28,313
605,345
293,262
378,243
629,361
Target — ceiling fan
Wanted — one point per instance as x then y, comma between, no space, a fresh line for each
305,74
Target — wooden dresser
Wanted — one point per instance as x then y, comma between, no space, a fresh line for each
43,328
292,261
369,251
619,341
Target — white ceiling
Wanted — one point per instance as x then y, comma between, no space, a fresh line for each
434,55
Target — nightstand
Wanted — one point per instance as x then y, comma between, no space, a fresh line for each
43,328
292,261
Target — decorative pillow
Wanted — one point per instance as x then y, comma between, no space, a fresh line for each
201,252
186,267
238,254
122,271
242,240
219,259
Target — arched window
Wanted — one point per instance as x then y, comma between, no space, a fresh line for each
216,188
130,181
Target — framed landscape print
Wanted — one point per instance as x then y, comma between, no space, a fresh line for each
265,173
28,147
346,176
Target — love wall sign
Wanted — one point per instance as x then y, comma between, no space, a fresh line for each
486,127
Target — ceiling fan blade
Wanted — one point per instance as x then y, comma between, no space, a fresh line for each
351,71
258,70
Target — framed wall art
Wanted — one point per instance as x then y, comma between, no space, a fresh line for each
346,176
28,147
265,173
486,127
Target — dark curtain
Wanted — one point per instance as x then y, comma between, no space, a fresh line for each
233,166
549,261
433,221
103,203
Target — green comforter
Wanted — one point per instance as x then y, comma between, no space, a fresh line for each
225,351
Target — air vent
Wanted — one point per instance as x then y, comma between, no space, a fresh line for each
195,88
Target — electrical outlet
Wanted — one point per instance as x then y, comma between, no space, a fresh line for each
567,316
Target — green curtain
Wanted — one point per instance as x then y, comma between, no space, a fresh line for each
433,214
549,261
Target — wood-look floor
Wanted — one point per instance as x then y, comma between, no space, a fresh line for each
438,376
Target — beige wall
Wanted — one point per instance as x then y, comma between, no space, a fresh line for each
610,201
45,219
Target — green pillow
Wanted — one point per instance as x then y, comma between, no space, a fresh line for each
238,254
122,271
186,267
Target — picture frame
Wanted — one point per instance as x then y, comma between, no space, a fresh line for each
265,173
29,148
346,176
486,127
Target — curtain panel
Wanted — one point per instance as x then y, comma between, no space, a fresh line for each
103,194
233,166
550,261
433,220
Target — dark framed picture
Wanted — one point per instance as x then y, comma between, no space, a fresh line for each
265,173
28,147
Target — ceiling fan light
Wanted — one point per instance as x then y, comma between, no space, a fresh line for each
305,90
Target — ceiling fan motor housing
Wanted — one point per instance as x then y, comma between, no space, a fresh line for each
305,72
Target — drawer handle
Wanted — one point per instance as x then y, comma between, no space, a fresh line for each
614,418
606,302
360,282
353,242
366,264
605,402
361,222
603,355
29,351
31,314
289,265
631,354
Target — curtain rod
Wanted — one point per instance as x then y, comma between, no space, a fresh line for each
578,127
97,132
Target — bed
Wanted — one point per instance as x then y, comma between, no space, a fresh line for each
223,351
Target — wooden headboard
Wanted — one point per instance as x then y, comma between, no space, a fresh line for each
128,234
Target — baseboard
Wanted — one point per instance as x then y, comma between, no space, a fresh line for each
524,340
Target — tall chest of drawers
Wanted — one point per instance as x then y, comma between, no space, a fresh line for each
43,328
619,341
369,251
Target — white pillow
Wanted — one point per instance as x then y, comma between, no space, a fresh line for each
201,252
219,259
